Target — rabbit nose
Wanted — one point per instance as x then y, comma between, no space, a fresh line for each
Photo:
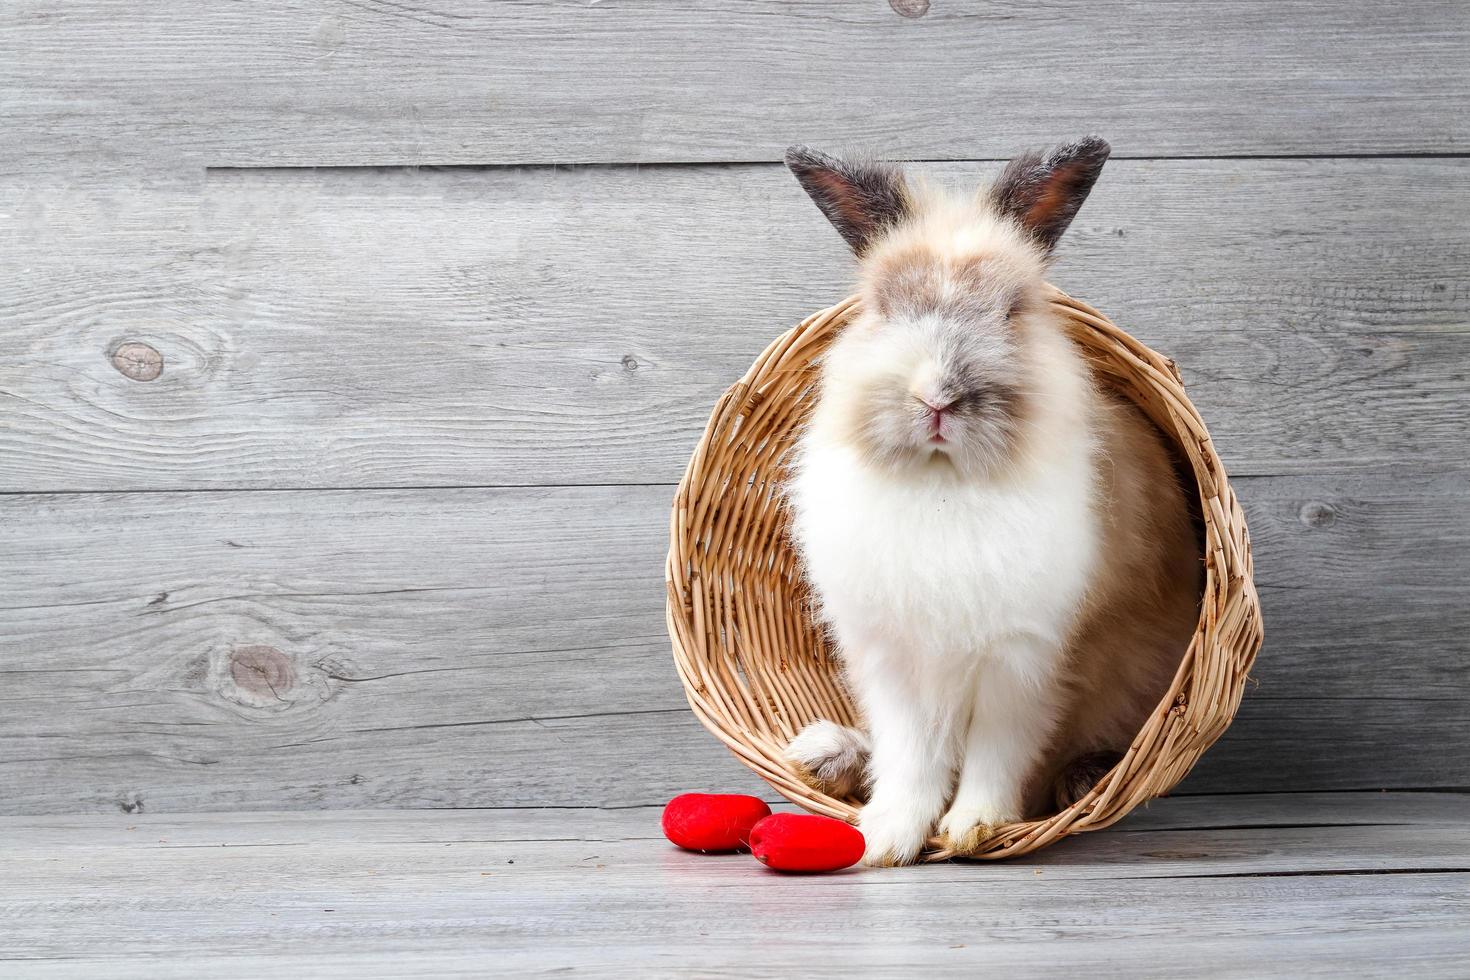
934,412
936,403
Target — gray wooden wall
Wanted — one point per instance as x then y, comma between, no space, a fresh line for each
443,291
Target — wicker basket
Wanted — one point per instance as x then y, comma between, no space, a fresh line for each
756,669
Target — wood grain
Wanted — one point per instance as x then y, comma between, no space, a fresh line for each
472,328
629,853
170,86
247,650
1422,944
536,892
57,833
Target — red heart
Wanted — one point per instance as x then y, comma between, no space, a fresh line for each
806,842
712,821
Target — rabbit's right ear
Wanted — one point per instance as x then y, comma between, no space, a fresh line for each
862,200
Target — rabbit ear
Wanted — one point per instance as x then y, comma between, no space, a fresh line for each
862,200
1043,193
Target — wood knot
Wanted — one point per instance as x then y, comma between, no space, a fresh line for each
909,8
1317,513
262,672
137,360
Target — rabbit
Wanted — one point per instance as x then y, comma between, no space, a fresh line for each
1000,548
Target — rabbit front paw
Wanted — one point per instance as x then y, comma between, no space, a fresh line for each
966,826
895,834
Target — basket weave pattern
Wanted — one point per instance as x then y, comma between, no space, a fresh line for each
755,667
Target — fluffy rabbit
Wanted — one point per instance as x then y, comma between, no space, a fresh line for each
1000,548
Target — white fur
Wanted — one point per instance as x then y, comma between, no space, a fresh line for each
951,596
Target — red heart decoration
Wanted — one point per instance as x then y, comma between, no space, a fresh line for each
712,821
806,842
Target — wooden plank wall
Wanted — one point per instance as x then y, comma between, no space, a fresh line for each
442,292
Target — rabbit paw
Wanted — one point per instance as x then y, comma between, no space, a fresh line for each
965,827
830,758
895,834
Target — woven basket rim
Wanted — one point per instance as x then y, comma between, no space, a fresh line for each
723,642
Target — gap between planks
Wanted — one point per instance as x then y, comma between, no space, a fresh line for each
758,162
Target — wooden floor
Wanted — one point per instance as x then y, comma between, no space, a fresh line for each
1285,885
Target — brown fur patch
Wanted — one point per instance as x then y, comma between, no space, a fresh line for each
904,279
1143,606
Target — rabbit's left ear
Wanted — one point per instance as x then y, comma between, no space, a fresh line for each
862,200
1044,193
